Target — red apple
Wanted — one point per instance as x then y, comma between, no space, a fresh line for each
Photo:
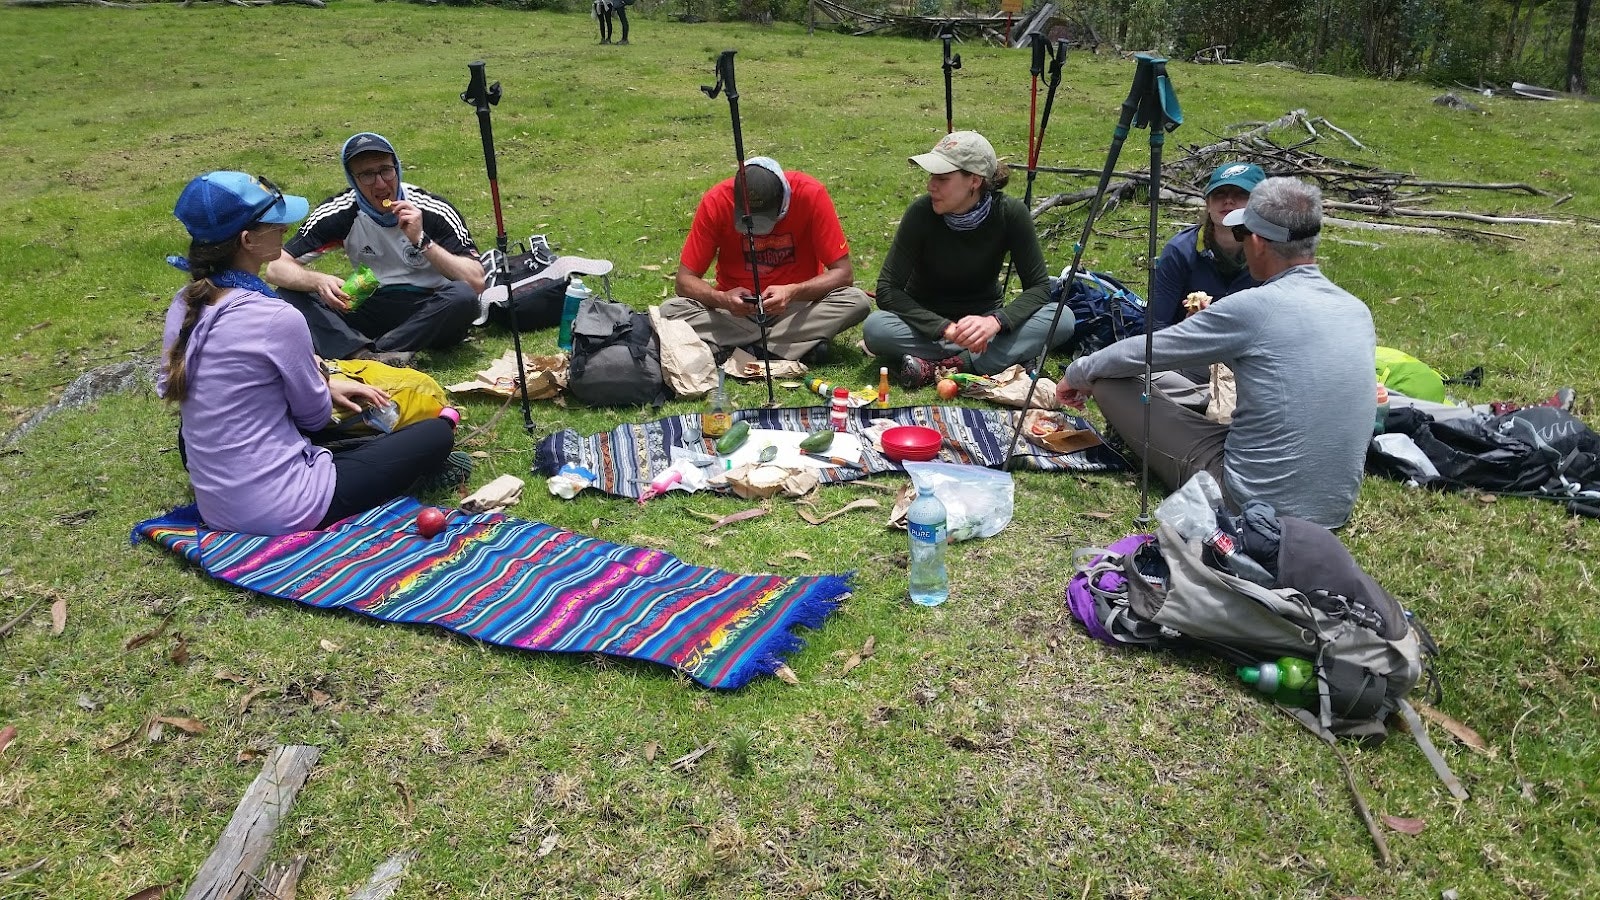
947,389
430,521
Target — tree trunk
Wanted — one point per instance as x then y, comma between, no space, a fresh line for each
1580,35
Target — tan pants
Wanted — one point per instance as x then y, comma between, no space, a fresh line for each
1182,441
792,335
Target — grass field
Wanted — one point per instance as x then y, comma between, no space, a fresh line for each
988,748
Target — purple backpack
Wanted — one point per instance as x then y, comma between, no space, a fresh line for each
1098,577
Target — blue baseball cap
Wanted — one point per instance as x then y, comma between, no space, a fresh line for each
218,205
1244,176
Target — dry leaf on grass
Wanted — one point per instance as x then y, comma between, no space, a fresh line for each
153,892
139,640
798,554
686,762
548,844
851,663
183,723
1404,826
244,705
88,703
1096,514
650,750
1457,729
328,645
7,735
225,675
742,515
58,616
179,654
786,674
866,503
405,799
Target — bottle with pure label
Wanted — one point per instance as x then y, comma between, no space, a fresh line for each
925,520
577,292
715,420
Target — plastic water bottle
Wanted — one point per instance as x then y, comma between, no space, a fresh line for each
1382,420
577,292
930,582
1289,680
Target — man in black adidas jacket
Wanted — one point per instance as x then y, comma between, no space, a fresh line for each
416,244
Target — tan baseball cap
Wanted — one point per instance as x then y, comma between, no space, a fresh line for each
960,151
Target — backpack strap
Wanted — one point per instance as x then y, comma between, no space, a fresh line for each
1419,732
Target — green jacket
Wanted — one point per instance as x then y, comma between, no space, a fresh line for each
934,275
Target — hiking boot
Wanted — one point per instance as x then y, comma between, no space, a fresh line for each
916,372
451,474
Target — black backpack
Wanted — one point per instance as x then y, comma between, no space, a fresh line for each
537,302
616,357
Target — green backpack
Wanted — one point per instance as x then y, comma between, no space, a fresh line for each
1405,374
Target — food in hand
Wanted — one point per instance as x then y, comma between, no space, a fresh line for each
430,521
387,204
1196,301
948,389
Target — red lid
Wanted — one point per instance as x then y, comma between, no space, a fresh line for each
841,393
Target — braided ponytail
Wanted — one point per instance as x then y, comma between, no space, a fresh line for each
205,260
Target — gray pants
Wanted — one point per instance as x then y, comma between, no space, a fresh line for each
792,335
1182,441
891,337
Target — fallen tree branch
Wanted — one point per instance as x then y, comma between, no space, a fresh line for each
230,869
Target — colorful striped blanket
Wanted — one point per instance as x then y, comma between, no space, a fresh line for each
627,457
520,584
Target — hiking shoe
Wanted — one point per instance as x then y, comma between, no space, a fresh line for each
916,372
1562,399
817,356
451,474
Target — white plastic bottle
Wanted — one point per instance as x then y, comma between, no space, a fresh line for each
925,520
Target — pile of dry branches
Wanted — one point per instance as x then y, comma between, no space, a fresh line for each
1347,187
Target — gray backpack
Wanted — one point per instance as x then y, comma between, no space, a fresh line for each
1367,651
616,357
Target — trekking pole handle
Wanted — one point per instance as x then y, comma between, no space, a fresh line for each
725,78
1056,60
1038,44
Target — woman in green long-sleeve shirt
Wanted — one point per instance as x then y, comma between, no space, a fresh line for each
940,307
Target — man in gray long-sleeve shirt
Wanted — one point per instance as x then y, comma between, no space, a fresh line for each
1301,350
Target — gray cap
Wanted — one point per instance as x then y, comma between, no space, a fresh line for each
960,151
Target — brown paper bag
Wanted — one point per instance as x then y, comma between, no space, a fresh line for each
686,362
1010,388
547,376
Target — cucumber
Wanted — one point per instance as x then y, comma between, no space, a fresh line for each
738,433
818,441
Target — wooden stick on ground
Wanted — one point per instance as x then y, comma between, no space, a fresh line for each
230,869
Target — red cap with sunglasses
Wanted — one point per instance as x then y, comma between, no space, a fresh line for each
218,205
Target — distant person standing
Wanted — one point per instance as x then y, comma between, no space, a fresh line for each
603,10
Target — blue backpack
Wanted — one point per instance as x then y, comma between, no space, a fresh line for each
1103,309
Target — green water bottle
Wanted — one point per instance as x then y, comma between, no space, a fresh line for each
361,284
1289,680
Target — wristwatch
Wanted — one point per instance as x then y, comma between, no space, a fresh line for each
415,250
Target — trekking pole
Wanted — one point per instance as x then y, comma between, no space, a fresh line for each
1154,114
1057,56
1144,83
947,34
725,83
483,95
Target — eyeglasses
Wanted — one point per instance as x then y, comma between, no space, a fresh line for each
1241,232
367,179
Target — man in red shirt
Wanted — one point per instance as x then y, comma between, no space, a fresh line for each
801,257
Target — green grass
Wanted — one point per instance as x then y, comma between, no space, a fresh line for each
988,748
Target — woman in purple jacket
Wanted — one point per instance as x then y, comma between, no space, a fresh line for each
238,362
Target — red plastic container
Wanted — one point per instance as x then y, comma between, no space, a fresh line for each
911,442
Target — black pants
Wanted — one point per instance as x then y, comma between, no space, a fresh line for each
397,317
385,467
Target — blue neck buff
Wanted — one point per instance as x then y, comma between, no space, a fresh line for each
382,217
973,217
228,278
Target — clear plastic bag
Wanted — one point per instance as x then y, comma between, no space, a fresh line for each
1191,510
978,502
